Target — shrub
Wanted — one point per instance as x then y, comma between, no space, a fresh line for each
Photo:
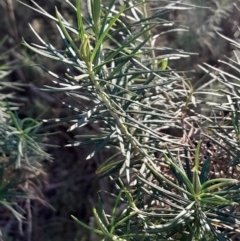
165,130
20,150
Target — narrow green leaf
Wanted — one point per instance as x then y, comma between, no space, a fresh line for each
219,185
15,122
175,201
216,180
158,175
164,64
79,20
101,145
114,210
196,179
102,213
127,43
187,166
106,16
185,179
181,218
108,167
87,226
205,170
100,223
103,35
66,34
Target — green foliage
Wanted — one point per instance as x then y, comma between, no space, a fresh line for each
20,139
203,21
187,210
164,185
19,144
117,79
8,181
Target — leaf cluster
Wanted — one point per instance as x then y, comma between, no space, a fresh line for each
151,115
19,144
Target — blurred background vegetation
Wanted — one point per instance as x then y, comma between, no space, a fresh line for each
68,185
